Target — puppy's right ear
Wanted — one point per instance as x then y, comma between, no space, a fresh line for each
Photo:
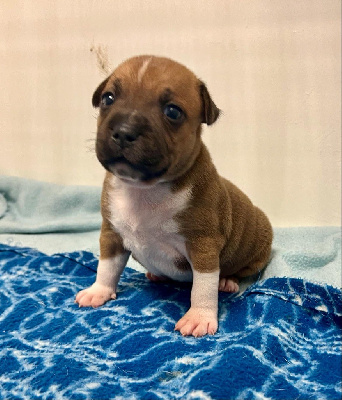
96,100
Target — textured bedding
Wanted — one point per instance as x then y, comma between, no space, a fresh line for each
278,339
281,339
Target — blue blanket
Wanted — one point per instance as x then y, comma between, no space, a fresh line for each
281,339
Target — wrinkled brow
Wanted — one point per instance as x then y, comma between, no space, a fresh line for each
166,96
117,86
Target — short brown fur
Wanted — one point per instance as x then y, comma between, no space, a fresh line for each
223,223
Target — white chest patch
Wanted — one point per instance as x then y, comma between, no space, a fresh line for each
145,219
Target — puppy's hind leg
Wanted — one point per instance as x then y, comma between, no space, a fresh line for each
230,284
257,265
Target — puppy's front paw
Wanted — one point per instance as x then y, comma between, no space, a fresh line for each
95,295
198,322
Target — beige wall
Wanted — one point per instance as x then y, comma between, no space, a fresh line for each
273,67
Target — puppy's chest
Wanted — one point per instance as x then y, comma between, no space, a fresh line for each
146,220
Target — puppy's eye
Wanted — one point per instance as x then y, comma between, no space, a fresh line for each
173,112
107,99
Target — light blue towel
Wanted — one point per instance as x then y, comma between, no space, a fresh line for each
311,253
28,206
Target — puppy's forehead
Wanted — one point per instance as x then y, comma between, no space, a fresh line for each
157,74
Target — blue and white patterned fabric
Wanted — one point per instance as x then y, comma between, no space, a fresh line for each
281,339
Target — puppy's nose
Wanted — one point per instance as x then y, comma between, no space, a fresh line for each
124,137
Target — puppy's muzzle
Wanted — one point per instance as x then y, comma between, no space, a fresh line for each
130,146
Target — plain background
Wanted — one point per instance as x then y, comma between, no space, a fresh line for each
273,67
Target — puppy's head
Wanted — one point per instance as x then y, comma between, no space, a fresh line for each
151,111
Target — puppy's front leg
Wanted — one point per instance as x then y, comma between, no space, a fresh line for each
201,319
113,259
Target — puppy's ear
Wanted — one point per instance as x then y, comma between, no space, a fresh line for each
210,112
96,100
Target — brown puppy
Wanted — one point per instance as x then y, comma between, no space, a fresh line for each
163,200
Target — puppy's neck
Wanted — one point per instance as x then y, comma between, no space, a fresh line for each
195,173
139,192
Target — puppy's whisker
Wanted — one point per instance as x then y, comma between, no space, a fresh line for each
90,145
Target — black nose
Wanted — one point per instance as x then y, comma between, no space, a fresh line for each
124,137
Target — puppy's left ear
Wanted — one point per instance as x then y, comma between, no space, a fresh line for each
96,100
210,112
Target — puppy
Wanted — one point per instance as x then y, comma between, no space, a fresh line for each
163,200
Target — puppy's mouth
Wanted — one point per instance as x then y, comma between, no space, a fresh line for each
130,173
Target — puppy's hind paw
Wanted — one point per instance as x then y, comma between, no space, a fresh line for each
155,278
229,285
